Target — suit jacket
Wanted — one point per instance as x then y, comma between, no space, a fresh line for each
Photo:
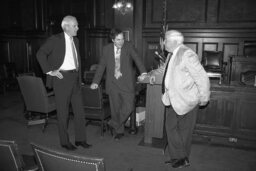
189,84
107,62
51,55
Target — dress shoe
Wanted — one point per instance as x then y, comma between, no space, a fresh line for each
118,136
82,144
133,131
184,162
69,146
168,162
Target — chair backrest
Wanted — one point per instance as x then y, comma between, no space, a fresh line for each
10,159
212,59
94,67
52,160
34,93
88,77
92,99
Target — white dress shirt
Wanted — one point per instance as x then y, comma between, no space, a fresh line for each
68,63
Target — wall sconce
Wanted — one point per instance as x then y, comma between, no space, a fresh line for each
123,6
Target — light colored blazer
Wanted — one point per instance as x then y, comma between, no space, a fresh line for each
189,84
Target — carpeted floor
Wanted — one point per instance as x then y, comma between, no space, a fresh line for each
123,155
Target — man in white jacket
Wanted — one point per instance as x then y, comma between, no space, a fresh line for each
185,87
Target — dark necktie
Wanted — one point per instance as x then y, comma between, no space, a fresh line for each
166,68
74,53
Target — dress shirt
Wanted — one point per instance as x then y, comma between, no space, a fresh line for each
68,63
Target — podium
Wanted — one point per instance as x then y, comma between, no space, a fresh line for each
154,120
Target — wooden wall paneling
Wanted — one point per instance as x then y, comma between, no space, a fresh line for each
230,49
138,20
249,48
193,46
230,116
33,44
212,11
246,125
150,45
97,39
210,46
177,15
217,118
5,51
18,50
240,64
201,14
243,13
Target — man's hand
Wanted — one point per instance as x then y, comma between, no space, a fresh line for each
203,103
56,73
152,79
142,76
94,86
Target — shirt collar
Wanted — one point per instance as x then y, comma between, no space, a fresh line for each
175,50
67,36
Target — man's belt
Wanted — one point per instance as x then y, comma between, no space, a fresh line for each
69,71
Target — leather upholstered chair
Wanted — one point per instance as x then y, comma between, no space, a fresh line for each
36,98
96,108
53,160
11,159
213,64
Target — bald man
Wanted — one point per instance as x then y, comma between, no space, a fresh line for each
59,58
185,87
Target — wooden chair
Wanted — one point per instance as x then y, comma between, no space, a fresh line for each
213,64
11,159
96,109
53,160
36,98
88,77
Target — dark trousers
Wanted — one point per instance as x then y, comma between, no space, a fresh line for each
121,105
179,129
68,91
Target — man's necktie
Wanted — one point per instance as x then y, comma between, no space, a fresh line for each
166,68
117,63
74,53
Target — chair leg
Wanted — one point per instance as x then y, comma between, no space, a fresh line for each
45,123
102,128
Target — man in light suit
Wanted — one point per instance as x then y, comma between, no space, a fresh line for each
59,58
117,59
185,86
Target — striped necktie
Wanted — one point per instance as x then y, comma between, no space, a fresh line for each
117,63
74,53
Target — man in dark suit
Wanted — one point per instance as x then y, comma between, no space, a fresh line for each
59,58
117,59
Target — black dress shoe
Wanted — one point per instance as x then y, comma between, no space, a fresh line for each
133,131
184,162
82,144
118,136
168,162
69,147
